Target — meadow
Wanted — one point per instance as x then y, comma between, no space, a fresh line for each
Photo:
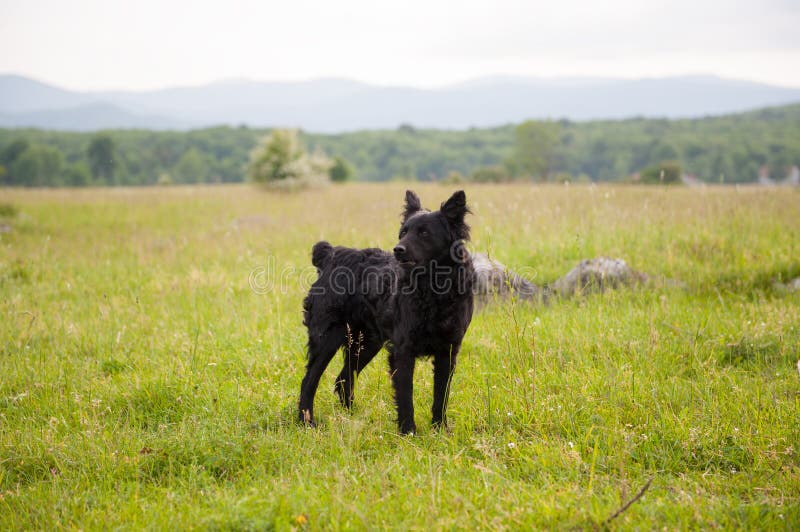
151,351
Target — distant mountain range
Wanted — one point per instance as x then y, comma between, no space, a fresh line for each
337,105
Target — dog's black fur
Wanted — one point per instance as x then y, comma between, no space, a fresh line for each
416,301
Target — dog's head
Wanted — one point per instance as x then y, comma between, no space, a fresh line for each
427,236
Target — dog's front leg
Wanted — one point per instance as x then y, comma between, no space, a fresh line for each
402,366
443,368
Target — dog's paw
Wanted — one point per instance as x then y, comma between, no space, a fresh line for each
305,419
408,428
439,425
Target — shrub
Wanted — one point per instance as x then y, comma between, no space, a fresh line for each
7,210
664,173
454,177
340,170
490,174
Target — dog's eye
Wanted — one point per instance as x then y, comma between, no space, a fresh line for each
403,233
423,232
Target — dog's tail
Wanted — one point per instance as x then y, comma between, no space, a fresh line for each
321,254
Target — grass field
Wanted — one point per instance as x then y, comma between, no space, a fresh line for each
151,351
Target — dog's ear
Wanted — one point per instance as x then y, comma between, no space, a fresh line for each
412,204
455,209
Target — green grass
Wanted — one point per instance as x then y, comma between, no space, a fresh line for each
145,384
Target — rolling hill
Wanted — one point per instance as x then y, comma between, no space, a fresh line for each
338,105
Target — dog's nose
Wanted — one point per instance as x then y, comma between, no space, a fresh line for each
399,251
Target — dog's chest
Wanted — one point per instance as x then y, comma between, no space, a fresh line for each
433,329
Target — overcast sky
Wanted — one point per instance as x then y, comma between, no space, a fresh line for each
144,44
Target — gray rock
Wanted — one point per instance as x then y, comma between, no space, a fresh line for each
791,286
493,279
597,275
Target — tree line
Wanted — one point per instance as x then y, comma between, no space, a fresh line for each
728,149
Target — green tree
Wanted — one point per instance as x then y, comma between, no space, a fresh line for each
192,167
8,156
534,148
101,158
37,166
340,171
663,151
12,151
77,175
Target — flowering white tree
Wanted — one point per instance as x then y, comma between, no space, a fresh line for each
281,160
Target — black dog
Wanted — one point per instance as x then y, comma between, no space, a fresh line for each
417,301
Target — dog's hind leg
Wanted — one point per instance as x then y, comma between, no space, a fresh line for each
444,365
357,354
320,352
